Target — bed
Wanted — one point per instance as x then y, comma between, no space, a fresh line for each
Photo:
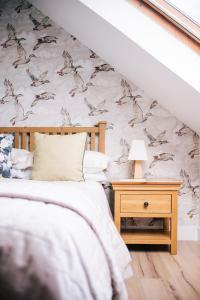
57,239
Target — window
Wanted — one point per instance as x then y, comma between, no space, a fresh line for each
185,14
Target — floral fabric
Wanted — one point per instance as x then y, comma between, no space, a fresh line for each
6,141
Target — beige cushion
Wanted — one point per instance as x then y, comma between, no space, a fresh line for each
58,157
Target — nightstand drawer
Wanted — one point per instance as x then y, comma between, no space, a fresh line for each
145,203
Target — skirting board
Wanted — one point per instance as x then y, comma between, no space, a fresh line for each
198,233
189,233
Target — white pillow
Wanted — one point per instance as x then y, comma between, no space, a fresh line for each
94,162
21,159
101,177
27,174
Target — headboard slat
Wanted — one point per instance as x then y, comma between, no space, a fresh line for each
16,143
102,129
24,140
93,137
24,136
31,141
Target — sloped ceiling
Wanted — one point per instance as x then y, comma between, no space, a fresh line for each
138,48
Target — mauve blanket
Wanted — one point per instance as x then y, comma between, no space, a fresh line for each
58,242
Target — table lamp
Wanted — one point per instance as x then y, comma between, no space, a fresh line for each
138,153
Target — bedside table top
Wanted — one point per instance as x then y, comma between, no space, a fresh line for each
165,183
147,181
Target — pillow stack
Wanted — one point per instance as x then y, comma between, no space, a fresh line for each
58,157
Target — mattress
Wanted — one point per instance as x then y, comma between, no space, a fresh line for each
58,241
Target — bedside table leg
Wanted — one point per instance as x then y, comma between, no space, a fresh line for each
173,249
174,224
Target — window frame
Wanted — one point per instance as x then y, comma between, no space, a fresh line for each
177,17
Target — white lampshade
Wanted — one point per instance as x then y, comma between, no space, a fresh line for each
138,150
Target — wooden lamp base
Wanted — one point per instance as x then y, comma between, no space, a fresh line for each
138,169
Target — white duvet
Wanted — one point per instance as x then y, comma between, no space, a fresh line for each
58,242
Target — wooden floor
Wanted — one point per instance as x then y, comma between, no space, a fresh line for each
159,275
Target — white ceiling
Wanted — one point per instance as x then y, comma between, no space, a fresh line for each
138,48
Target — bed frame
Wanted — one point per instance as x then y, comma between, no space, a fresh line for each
24,136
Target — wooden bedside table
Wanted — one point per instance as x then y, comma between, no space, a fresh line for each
152,198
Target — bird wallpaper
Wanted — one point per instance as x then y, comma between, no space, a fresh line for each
48,78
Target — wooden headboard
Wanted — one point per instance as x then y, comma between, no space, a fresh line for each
24,136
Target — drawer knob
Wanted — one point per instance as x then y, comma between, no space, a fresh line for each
146,204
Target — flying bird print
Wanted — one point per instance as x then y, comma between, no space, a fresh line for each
101,68
80,86
96,110
9,93
156,141
161,157
93,54
45,96
22,57
68,64
124,152
20,114
22,6
66,118
153,104
48,39
43,24
126,93
138,115
12,40
183,130
194,211
196,150
187,187
37,81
